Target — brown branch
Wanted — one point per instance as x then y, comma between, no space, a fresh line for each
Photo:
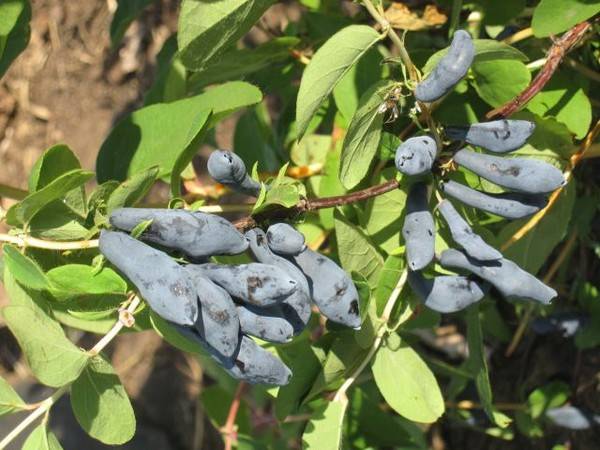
556,54
308,205
228,429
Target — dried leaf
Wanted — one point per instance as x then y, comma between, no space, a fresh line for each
400,16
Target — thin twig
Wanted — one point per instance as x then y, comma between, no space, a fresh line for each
228,429
556,54
12,192
340,394
46,404
309,205
29,241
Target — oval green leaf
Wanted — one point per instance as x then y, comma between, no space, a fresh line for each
329,64
407,383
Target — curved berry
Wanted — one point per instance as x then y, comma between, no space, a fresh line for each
163,283
503,274
520,174
227,168
511,205
500,136
464,236
451,68
418,229
195,234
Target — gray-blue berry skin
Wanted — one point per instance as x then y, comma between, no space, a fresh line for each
218,319
162,282
255,283
195,234
446,294
510,205
464,236
268,323
416,155
520,174
418,229
572,418
499,136
566,324
284,239
227,168
506,276
451,68
331,288
296,307
250,362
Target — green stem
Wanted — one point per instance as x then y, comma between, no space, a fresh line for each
12,192
340,395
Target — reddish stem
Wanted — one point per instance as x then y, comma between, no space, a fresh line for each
557,52
229,428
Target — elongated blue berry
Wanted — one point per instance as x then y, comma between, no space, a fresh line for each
228,169
256,284
418,229
195,234
284,239
162,282
446,294
521,174
500,136
511,205
464,236
451,68
503,274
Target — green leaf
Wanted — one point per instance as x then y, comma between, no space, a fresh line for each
285,195
186,156
23,212
355,83
10,401
127,11
329,64
25,270
324,430
485,50
564,98
362,140
14,31
343,357
253,139
382,217
157,135
101,405
53,163
304,360
57,222
551,395
53,359
170,79
556,16
355,251
479,366
238,63
76,280
391,271
498,13
499,81
41,439
406,382
207,29
132,190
